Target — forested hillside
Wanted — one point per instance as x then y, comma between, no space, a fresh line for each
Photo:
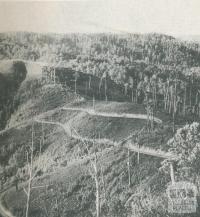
152,68
83,114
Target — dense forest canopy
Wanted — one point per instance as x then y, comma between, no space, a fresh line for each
95,52
148,66
97,48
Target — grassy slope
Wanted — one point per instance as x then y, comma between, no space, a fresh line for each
75,189
72,184
33,97
96,126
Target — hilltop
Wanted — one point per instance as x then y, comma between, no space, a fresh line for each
34,98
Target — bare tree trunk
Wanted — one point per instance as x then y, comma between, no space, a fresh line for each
132,95
104,186
42,134
90,78
173,122
136,98
97,187
28,197
171,101
174,105
152,119
129,170
125,89
184,101
93,102
86,88
165,100
100,83
167,96
106,98
75,85
94,175
148,117
138,155
31,172
154,97
30,168
54,76
190,93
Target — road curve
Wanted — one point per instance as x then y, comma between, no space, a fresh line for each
133,147
69,131
151,152
4,212
111,114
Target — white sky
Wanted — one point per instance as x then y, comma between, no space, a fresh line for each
175,17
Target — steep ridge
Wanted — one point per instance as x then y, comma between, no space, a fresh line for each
62,148
35,94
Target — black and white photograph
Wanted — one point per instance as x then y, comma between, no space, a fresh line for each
100,108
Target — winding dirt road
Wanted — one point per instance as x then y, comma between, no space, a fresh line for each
4,212
112,114
72,132
133,147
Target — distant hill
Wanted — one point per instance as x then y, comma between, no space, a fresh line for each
191,38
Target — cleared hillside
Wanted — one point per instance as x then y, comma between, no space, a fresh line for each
29,94
74,188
